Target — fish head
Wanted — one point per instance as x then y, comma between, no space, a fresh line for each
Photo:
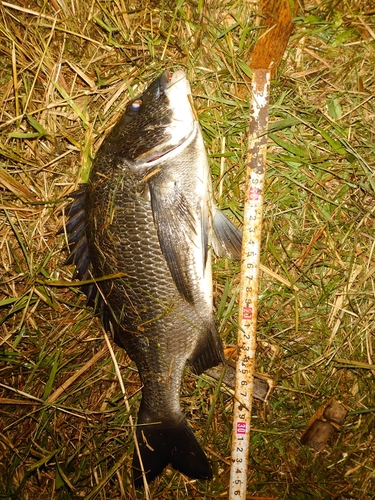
156,122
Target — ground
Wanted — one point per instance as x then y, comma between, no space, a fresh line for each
67,69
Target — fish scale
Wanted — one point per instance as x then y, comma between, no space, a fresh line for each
149,214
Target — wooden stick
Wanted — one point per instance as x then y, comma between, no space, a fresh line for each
248,302
276,17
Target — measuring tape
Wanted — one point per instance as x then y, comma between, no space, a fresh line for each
248,301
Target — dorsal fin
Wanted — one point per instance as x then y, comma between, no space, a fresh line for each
75,227
79,254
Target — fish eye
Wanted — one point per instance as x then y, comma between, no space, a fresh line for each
136,105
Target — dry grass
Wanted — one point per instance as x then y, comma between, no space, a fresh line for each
66,71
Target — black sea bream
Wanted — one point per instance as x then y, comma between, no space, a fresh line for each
148,212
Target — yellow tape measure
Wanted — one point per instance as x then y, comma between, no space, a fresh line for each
248,301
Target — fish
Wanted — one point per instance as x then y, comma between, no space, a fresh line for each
143,229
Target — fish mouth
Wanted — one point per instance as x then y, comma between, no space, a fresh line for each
178,79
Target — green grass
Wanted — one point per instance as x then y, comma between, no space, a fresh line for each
66,71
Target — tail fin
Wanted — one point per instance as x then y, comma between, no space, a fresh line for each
172,442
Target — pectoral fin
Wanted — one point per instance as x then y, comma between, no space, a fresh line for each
176,227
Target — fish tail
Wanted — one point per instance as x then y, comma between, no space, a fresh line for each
171,441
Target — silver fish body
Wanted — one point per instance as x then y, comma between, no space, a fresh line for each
148,212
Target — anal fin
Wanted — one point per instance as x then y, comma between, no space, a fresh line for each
208,353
